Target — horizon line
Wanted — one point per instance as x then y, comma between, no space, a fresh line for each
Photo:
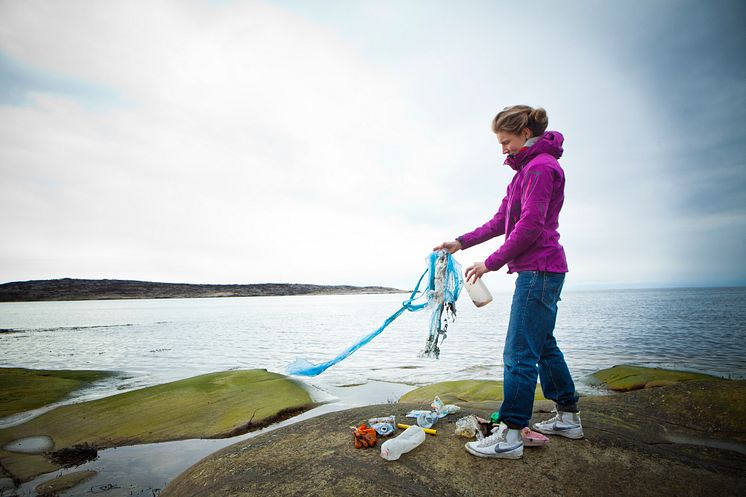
575,287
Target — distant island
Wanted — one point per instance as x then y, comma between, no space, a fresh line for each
80,289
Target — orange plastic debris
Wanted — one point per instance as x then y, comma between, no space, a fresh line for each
364,436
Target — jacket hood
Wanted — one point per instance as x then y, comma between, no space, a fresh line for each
549,143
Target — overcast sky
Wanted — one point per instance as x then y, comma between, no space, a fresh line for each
338,142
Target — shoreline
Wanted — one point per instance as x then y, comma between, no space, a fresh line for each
185,453
357,397
680,439
69,289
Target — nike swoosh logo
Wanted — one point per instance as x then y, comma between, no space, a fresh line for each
560,428
498,450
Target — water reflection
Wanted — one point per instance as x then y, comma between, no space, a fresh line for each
146,469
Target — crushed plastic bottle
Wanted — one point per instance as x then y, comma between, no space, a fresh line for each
391,450
443,410
427,419
467,427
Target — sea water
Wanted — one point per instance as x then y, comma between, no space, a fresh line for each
154,341
148,342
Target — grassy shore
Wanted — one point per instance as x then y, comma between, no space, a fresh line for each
214,405
625,377
26,389
453,392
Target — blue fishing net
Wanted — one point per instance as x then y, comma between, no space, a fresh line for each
444,283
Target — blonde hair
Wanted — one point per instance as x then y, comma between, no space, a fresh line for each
517,117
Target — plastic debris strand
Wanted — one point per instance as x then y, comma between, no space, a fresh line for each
444,283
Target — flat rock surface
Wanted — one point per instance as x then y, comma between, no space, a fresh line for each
459,391
25,389
626,377
213,405
62,483
677,440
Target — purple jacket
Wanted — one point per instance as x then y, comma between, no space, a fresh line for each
529,213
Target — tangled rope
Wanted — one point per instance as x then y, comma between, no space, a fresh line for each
443,288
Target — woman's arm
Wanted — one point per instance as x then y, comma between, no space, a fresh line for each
492,228
537,192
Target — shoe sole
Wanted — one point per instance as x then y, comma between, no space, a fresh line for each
572,434
505,455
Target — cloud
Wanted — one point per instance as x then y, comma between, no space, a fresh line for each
253,136
249,141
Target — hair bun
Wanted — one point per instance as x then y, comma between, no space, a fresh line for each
517,117
539,116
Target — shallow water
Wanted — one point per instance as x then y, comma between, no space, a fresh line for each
147,468
155,341
30,445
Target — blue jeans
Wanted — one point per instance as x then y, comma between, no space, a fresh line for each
530,341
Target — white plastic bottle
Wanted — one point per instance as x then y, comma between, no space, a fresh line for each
410,438
479,293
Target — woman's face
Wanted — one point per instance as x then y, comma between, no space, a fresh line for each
512,142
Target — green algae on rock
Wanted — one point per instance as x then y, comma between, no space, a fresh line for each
624,377
627,451
62,483
25,389
453,392
213,405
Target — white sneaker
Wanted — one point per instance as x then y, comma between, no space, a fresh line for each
506,443
565,424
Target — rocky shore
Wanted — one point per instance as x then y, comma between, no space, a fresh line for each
79,289
215,405
668,433
682,439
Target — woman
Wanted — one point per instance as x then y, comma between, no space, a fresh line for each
528,217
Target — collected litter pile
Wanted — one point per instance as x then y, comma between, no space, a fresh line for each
366,434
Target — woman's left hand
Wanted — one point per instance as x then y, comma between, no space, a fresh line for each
475,271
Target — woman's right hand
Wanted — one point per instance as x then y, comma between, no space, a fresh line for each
451,247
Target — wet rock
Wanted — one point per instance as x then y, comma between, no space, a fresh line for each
214,405
25,389
623,378
62,483
627,451
451,392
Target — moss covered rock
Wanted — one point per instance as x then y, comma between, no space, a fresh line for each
214,405
62,483
453,392
623,378
25,389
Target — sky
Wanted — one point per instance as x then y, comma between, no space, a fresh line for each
337,142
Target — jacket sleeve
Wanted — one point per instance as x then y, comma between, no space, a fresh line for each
492,228
536,188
